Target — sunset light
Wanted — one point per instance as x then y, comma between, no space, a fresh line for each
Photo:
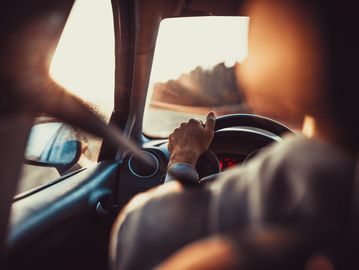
185,43
84,60
193,69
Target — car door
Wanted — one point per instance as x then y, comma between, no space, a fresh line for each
62,222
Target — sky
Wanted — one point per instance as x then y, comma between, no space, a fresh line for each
185,43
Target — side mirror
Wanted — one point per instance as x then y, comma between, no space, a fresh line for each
52,144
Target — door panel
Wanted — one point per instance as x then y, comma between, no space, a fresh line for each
59,226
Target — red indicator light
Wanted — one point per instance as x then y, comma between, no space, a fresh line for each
227,162
221,164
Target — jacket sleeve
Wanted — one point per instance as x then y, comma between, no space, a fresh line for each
143,236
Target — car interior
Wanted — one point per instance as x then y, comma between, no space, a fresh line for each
66,223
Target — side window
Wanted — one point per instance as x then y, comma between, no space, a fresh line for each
83,63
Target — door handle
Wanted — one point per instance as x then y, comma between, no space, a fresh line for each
100,210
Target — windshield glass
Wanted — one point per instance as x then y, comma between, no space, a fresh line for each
194,71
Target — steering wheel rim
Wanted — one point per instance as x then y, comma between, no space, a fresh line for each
242,120
252,120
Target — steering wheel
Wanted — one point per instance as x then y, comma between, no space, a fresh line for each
253,121
208,163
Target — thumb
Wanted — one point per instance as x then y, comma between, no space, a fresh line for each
210,121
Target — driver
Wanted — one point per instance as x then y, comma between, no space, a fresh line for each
290,206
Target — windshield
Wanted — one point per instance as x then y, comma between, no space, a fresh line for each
194,71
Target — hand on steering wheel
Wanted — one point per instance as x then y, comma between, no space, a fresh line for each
189,141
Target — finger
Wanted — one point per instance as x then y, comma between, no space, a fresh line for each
170,143
210,121
194,122
170,147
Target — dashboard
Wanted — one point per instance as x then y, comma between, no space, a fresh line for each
230,147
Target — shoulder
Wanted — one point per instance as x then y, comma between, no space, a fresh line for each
287,181
155,224
294,157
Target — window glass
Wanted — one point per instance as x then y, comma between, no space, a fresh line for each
83,63
84,60
193,71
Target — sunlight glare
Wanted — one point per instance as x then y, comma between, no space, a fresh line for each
84,60
185,43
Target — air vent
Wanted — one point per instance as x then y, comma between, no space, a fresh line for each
143,164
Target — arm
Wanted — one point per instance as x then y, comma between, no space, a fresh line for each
185,145
156,223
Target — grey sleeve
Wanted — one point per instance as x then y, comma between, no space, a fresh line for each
182,172
293,184
298,182
152,232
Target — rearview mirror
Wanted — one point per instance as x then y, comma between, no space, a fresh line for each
52,144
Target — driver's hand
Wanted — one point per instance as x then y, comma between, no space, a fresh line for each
190,140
